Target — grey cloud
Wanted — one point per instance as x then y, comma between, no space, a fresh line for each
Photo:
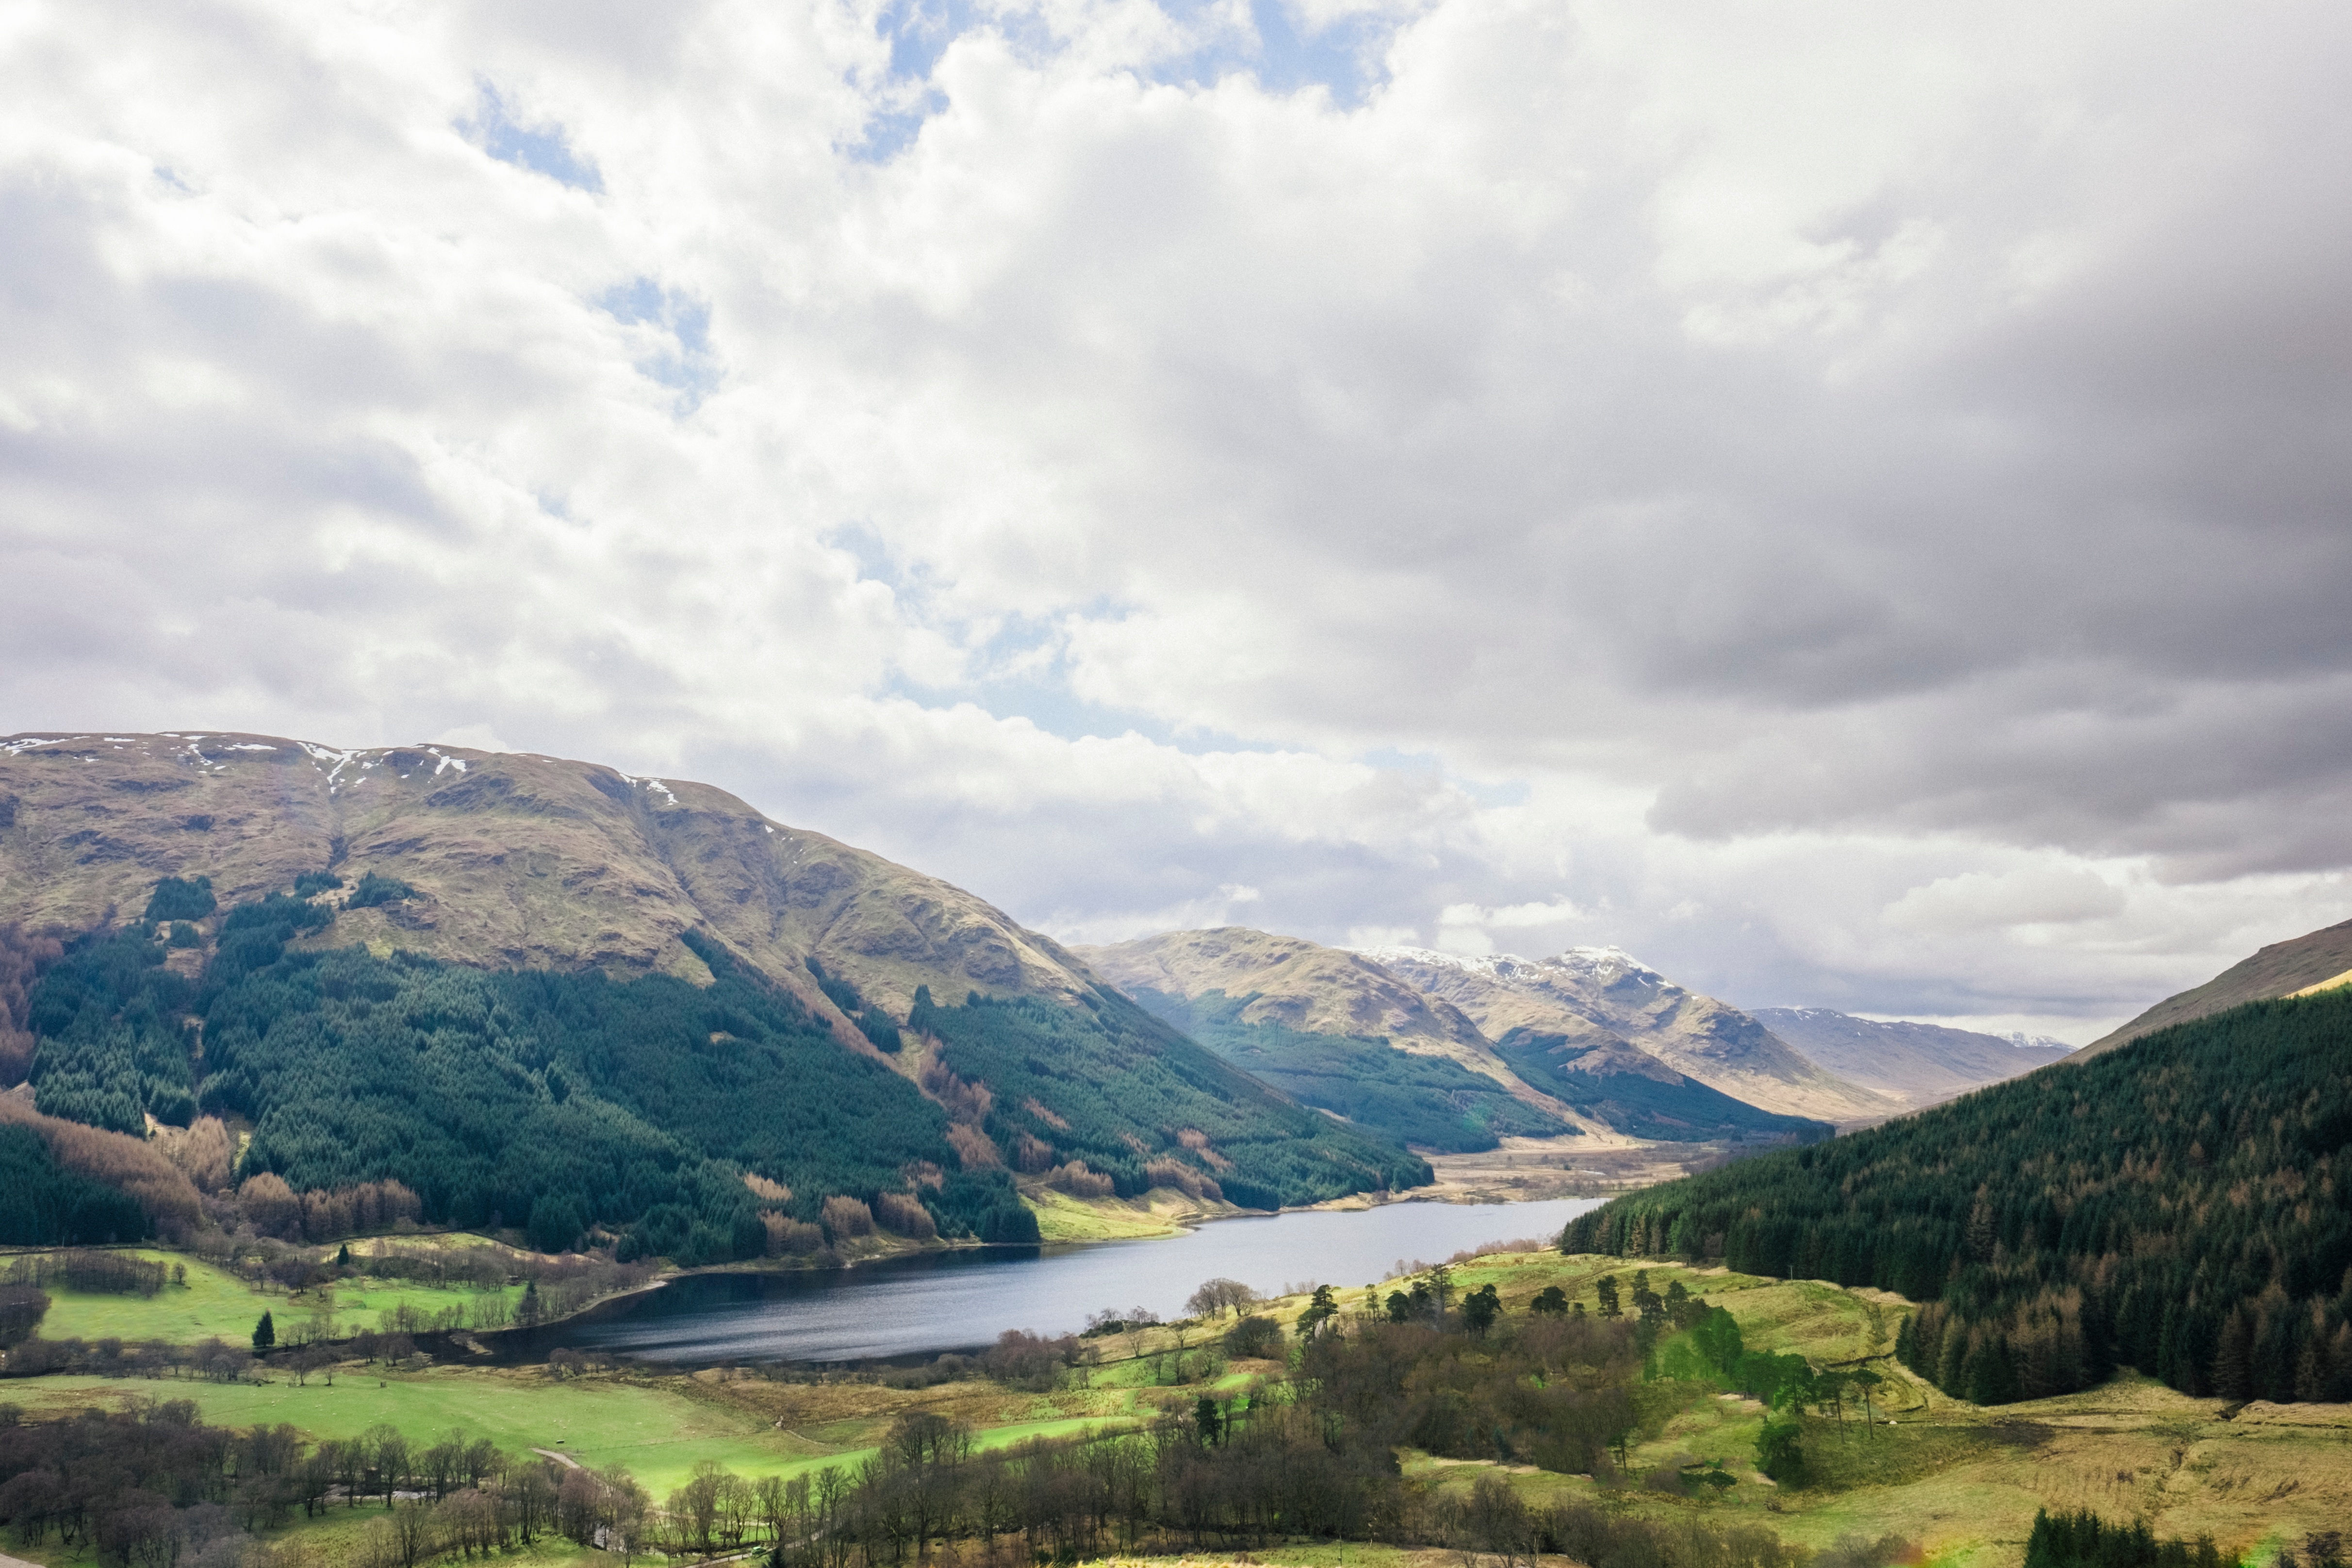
1992,506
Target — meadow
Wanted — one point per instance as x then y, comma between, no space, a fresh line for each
1961,1481
215,1303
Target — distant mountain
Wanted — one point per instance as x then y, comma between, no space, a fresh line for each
1590,996
1335,1031
1919,1064
2181,1204
1349,1035
527,985
2305,963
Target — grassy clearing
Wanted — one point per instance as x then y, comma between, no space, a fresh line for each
657,1430
1061,1217
216,1303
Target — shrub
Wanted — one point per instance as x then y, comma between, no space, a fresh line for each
376,890
178,899
788,1236
270,1207
1255,1336
1080,1182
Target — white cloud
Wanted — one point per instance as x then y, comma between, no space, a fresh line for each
1975,901
1847,483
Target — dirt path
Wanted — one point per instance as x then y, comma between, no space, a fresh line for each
566,1460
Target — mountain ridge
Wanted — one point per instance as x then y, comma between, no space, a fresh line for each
1921,1064
1589,996
606,887
1300,1014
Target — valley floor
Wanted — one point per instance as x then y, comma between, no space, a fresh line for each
1960,1481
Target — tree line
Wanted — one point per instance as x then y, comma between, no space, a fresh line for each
2182,1204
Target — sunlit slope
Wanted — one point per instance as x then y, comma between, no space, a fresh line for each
1347,1033
2283,969
1597,995
2181,1206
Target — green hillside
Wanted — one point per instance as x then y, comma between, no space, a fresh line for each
1655,1102
558,1101
1431,1103
2181,1204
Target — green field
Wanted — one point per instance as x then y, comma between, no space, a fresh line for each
659,1431
215,1302
1962,1481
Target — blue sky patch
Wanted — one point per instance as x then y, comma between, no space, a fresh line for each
543,149
689,368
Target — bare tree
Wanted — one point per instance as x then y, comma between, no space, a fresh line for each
1217,1297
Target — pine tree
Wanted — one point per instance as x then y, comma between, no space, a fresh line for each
265,1333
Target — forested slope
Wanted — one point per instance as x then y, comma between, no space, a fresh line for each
1430,1102
2182,1204
551,993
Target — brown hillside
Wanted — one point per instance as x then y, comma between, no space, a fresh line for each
1317,990
518,861
1601,993
2279,970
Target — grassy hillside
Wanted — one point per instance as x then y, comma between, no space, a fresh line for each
2182,1206
1636,1445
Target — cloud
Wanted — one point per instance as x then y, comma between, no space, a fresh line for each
1975,901
1803,497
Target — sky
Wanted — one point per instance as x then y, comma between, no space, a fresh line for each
1851,503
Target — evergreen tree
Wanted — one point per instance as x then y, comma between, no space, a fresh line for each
265,1333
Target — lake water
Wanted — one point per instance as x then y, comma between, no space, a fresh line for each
963,1299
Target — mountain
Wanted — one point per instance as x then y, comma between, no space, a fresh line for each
1919,1064
528,986
1588,997
1336,1032
1349,1035
2182,1203
2308,962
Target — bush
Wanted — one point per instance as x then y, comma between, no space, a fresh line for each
178,899
1255,1336
376,890
1780,1452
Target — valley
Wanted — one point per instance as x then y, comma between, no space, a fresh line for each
431,1056
1952,1482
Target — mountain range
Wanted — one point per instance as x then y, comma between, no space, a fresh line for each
554,996
638,992
1918,1064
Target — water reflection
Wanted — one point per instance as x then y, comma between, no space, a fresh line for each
959,1300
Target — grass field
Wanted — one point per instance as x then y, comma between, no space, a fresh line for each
1061,1217
1962,1481
215,1302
